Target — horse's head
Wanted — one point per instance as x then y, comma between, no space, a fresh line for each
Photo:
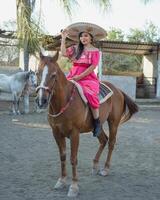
47,73
32,79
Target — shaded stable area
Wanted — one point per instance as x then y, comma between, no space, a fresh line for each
29,160
147,86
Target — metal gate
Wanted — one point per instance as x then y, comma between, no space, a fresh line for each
146,87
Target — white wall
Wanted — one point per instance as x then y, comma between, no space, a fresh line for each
158,77
125,83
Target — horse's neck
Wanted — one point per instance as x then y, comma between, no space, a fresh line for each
20,76
21,79
61,93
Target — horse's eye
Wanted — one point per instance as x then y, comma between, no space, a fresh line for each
38,74
53,75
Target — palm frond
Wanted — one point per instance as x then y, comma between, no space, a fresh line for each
27,28
146,1
105,5
67,5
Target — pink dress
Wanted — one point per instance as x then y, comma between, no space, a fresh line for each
89,83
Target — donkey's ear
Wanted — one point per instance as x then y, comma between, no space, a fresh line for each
55,57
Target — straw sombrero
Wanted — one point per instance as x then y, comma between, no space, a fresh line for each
96,31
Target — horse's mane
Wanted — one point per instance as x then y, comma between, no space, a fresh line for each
21,76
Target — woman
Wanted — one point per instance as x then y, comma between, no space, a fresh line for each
85,58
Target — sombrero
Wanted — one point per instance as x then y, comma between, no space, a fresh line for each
96,31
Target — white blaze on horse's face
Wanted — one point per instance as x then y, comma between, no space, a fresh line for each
42,84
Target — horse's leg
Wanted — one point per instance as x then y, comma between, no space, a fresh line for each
14,104
18,101
26,103
74,141
113,125
61,142
103,138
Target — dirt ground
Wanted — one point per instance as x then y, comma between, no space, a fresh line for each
29,160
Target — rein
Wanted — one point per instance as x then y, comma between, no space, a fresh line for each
64,108
43,87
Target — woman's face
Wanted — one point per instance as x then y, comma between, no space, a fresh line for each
85,38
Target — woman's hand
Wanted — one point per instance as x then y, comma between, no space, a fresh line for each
64,33
76,78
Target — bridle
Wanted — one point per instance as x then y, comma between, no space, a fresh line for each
64,108
51,92
46,88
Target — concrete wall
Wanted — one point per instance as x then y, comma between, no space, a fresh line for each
125,83
149,66
158,77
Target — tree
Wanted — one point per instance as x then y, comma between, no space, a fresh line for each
150,33
8,50
146,1
136,35
115,34
28,30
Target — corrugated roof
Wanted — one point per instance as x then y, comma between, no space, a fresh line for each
129,47
137,48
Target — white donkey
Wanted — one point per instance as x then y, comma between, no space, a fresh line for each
16,84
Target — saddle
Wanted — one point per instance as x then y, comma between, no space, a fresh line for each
104,94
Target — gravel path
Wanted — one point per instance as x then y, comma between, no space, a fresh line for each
29,160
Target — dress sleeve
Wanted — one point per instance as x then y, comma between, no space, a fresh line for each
95,58
70,51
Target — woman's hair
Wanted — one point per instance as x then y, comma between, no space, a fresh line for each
80,47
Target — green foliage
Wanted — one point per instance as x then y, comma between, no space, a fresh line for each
150,33
8,51
131,63
146,1
136,35
115,34
9,25
67,5
65,64
103,5
28,30
121,62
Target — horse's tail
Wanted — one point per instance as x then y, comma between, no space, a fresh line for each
130,108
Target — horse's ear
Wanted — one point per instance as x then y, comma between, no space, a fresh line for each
27,75
41,55
55,57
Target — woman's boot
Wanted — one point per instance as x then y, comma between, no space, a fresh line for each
97,127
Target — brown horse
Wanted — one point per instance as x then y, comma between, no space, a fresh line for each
68,116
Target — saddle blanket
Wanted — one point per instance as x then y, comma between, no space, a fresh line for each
104,94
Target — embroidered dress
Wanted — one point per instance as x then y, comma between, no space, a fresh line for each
89,83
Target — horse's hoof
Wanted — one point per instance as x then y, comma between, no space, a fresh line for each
73,191
61,183
95,171
104,172
18,113
13,113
